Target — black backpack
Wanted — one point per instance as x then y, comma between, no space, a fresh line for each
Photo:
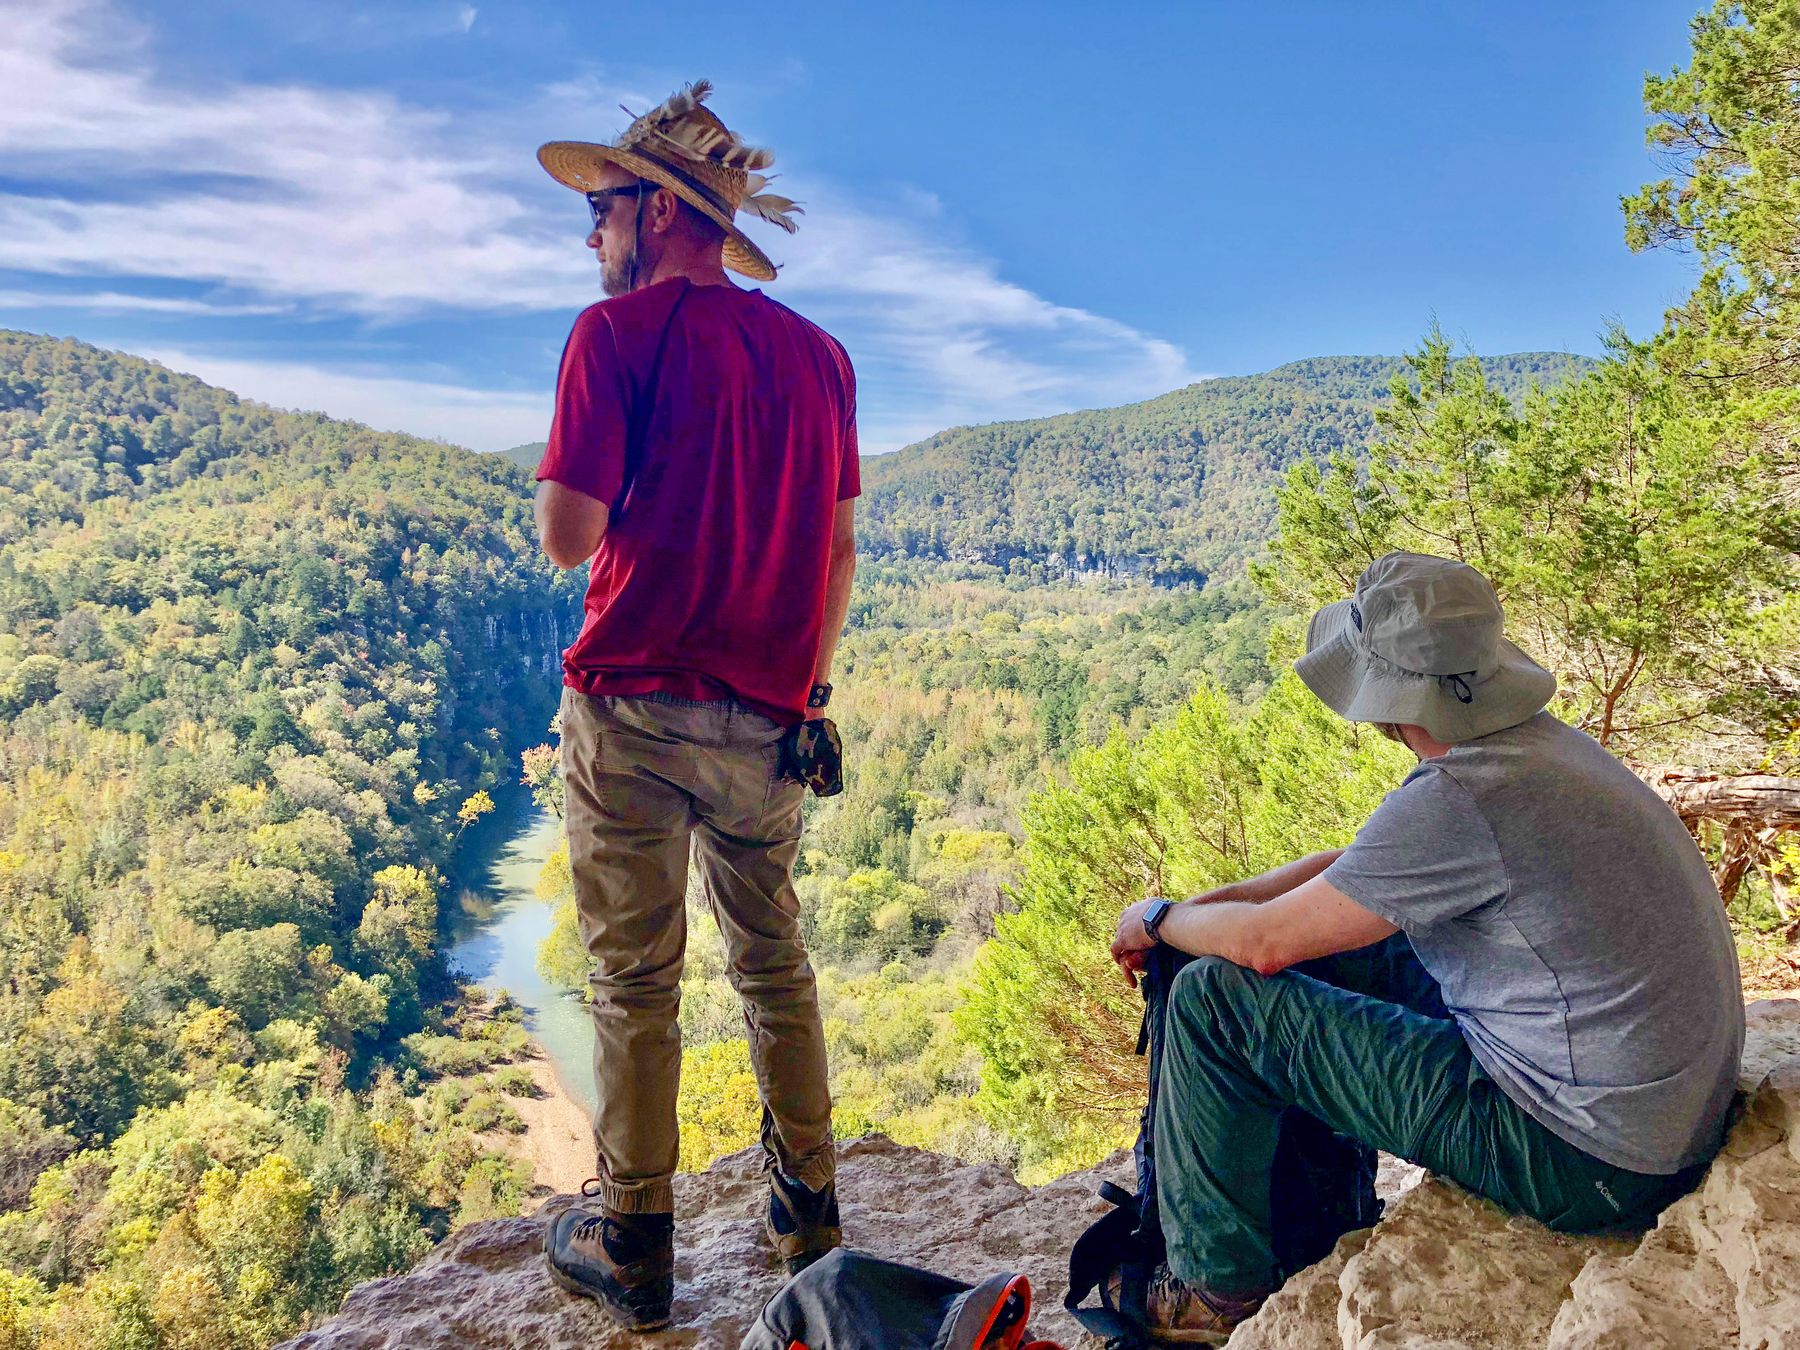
1322,1186
849,1301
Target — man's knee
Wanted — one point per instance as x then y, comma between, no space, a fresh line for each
635,983
773,974
1208,978
1212,995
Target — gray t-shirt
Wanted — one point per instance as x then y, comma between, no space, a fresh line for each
1576,934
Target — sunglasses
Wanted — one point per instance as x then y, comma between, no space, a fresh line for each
600,200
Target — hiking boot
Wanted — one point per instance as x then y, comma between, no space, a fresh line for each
802,1223
626,1262
1179,1313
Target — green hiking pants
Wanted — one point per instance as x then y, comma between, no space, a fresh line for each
1362,1042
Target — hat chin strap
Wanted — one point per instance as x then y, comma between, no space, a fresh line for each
637,229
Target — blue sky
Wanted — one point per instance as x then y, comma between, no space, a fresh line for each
1012,209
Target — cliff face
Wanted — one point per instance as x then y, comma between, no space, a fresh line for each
1442,1271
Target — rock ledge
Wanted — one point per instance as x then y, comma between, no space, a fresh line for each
1441,1271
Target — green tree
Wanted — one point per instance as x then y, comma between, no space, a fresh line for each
399,922
258,972
1634,545
1209,796
875,913
1729,126
1729,123
475,806
719,1111
357,1007
28,1145
542,765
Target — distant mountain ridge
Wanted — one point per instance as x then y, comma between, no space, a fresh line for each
1175,488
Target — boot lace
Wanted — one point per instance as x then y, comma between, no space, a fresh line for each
592,1225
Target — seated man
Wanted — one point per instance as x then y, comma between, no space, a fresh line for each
1594,1021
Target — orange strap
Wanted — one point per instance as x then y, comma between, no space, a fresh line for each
1014,1335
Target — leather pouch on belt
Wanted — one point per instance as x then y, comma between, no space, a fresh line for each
813,753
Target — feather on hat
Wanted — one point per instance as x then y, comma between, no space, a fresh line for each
682,145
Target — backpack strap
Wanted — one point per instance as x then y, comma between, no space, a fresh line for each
1111,1243
1129,1239
991,1316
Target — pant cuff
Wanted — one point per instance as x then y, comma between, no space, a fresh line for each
638,1197
1231,1282
816,1171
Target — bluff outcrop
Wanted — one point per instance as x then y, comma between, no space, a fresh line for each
1442,1271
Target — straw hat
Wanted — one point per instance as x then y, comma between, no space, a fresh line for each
680,145
1422,644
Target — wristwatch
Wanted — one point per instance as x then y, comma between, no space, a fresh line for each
1154,916
819,697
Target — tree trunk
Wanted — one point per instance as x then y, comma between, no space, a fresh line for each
1753,811
1699,794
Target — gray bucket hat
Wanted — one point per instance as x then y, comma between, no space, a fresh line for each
1422,644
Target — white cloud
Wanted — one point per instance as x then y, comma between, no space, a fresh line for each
357,203
944,324
484,419
352,201
465,18
118,300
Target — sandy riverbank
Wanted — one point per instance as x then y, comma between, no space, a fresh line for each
558,1142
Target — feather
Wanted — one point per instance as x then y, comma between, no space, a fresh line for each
681,145
682,102
686,100
776,210
705,140
698,137
744,156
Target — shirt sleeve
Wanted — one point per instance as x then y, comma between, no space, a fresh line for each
850,469
586,451
1425,857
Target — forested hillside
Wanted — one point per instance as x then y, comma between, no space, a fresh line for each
527,456
257,670
1175,488
1642,527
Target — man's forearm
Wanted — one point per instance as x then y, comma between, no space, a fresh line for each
1228,929
837,612
1313,919
1276,881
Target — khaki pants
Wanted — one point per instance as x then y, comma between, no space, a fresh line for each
644,778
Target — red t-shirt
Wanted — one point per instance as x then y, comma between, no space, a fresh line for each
710,579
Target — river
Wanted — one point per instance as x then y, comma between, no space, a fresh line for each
496,921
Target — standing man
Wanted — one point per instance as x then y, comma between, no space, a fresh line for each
703,455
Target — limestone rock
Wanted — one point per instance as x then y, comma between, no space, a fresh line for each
1304,1310
1442,1271
1445,1269
485,1287
1771,1034
1722,1266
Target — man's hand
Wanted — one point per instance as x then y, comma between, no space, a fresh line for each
1130,942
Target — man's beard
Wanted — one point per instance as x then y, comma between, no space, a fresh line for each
618,278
